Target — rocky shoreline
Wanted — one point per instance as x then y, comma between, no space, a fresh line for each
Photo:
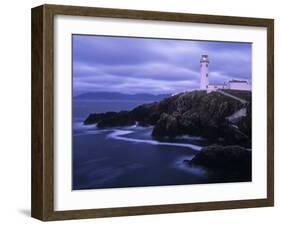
197,114
194,113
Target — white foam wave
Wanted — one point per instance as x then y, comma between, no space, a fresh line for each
182,165
81,125
92,132
118,135
188,137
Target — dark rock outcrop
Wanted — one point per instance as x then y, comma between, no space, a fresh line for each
96,117
167,125
230,158
110,119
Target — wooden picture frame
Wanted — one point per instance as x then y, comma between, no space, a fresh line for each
43,112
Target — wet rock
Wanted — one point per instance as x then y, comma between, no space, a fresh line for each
111,119
96,117
228,158
167,125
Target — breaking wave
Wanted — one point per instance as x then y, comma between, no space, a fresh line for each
119,135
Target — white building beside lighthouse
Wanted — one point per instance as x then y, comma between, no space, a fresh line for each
204,79
238,85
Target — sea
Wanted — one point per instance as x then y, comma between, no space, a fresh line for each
128,156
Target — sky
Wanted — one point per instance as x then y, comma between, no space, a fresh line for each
155,66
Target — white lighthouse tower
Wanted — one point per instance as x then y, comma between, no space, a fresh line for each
204,82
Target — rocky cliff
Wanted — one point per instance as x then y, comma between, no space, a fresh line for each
195,113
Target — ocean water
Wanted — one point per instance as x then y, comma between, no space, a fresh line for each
128,156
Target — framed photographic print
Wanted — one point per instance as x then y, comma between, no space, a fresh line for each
141,112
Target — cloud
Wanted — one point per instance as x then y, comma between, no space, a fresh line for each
155,70
134,65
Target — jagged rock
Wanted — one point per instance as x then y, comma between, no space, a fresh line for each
96,117
167,125
146,114
202,114
111,119
224,158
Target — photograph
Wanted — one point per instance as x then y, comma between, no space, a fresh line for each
137,112
157,112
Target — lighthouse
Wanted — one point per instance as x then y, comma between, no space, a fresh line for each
204,63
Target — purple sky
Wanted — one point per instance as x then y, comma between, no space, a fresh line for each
157,66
